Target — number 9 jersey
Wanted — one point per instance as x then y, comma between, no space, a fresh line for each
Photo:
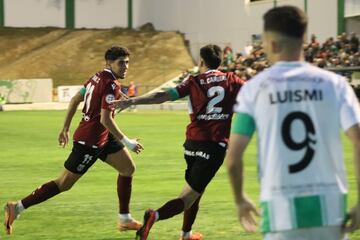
211,99
298,111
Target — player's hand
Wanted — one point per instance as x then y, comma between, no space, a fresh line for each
63,138
352,221
132,144
121,104
138,148
246,212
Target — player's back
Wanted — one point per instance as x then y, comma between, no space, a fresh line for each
211,99
101,89
299,111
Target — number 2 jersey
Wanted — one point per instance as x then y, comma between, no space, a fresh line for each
211,99
101,89
298,111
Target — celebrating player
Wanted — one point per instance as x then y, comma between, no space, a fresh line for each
211,97
298,111
97,136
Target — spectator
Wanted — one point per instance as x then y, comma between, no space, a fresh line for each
354,42
340,53
132,92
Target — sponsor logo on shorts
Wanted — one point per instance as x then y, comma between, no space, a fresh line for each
197,154
80,167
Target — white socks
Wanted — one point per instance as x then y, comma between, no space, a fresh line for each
19,207
185,234
124,218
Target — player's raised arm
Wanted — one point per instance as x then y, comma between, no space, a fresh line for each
172,94
108,121
153,98
73,105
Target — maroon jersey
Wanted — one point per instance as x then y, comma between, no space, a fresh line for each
101,89
211,99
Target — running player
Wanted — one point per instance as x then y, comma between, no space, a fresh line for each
211,96
97,136
298,111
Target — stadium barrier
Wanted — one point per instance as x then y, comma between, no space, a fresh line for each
65,93
27,90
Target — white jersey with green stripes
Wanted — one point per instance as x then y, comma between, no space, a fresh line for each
299,111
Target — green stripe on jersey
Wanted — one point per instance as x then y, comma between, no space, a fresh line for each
344,204
308,211
265,214
174,95
83,91
243,124
303,212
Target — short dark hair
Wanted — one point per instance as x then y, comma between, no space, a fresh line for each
287,20
116,52
212,55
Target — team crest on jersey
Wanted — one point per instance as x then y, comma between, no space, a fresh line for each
109,98
113,86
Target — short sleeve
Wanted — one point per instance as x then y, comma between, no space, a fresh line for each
183,89
243,101
110,93
82,91
349,107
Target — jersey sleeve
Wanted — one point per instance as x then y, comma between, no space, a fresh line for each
110,93
349,108
243,122
243,101
182,90
83,89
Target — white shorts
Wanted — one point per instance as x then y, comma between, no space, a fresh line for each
324,233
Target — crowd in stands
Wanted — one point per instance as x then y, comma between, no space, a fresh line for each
340,52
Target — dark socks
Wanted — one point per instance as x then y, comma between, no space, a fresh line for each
190,216
171,208
124,185
41,194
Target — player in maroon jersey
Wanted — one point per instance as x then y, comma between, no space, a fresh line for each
97,136
211,98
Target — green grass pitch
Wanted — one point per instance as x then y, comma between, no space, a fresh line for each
29,156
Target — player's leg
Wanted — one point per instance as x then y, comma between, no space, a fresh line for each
78,162
200,172
188,220
46,191
123,163
173,207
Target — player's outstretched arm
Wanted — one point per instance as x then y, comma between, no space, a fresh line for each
153,98
246,208
107,120
353,217
73,105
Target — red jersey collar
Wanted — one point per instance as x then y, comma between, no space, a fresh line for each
109,71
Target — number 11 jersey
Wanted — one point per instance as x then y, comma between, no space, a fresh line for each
101,89
299,110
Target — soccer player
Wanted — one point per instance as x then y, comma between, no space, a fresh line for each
297,111
211,96
97,136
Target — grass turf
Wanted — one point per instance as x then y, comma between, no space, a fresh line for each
29,157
